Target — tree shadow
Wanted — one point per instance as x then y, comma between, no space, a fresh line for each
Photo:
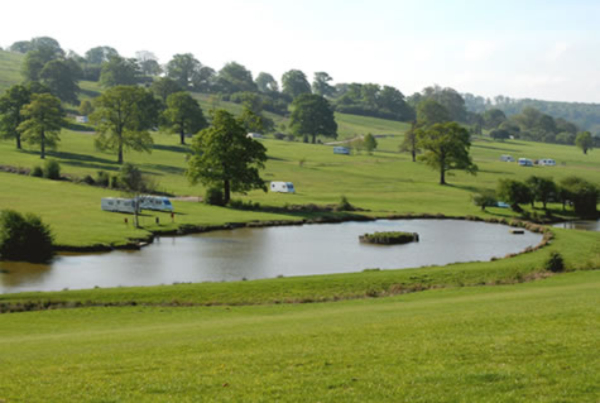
174,148
494,148
164,168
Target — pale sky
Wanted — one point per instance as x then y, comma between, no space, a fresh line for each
537,49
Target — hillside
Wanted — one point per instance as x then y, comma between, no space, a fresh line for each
10,69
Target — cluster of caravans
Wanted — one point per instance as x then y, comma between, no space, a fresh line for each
121,205
526,162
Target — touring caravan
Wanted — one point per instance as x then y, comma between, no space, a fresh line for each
341,150
282,187
549,162
118,205
157,203
507,158
525,162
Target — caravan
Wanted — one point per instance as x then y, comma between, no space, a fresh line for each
118,205
157,203
283,187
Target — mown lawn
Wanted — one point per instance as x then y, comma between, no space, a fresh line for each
520,343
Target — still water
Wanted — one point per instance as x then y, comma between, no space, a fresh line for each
254,253
580,225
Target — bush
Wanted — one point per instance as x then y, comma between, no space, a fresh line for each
52,170
389,238
113,182
102,179
344,205
37,171
88,180
214,197
555,263
485,199
24,237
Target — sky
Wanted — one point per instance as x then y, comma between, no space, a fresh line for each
546,50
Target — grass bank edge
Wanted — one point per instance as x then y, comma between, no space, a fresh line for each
581,251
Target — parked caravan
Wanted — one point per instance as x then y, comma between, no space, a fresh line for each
549,162
283,187
254,136
507,158
341,150
118,205
157,203
525,162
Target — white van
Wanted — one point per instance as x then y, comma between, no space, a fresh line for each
525,162
117,204
283,187
549,162
157,203
507,158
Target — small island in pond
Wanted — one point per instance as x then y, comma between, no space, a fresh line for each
389,238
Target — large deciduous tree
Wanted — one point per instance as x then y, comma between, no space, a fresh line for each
164,86
312,115
430,112
321,86
61,78
11,103
224,156
411,142
266,83
100,54
119,71
183,115
514,193
294,84
123,115
234,77
446,147
43,119
584,141
542,189
183,68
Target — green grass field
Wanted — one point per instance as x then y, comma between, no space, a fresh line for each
520,343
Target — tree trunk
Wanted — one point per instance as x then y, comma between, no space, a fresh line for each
414,155
120,157
43,153
442,176
305,139
182,135
18,141
226,192
314,138
136,221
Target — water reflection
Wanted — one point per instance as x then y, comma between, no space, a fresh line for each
580,225
254,253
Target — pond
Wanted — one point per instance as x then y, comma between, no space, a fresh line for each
585,225
255,253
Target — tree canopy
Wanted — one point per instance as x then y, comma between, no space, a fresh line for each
183,68
11,103
430,112
266,83
119,71
42,122
224,156
446,147
294,84
183,115
584,141
62,79
162,87
514,193
321,86
123,116
234,77
312,115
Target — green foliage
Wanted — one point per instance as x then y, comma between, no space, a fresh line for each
321,86
430,112
183,115
224,156
389,238
370,143
11,103
37,172
119,71
183,68
446,147
373,100
24,237
214,196
100,54
312,115
62,77
266,83
132,180
452,102
51,170
543,189
555,263
294,84
486,198
584,141
123,118
162,87
582,194
500,134
102,179
514,193
410,143
148,63
493,118
37,58
86,108
43,120
234,77
344,204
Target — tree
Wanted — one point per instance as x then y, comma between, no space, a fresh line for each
43,119
148,63
183,115
20,47
410,143
11,103
583,194
224,156
312,115
321,84
61,78
35,60
493,118
584,141
500,134
24,237
162,87
132,181
450,99
234,77
119,71
100,54
514,193
542,189
182,68
205,79
123,118
430,112
370,143
486,198
266,83
446,147
86,108
294,84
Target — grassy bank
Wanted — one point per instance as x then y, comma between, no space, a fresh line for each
519,343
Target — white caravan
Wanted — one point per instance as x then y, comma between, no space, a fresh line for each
158,203
282,187
507,158
118,205
549,162
525,162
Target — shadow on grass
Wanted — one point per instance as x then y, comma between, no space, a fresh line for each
493,147
164,168
175,148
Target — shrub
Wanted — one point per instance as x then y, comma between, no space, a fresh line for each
113,182
214,197
102,179
389,238
24,237
485,199
279,136
37,171
555,263
344,205
88,180
52,170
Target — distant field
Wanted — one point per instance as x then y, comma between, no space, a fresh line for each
10,69
521,343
